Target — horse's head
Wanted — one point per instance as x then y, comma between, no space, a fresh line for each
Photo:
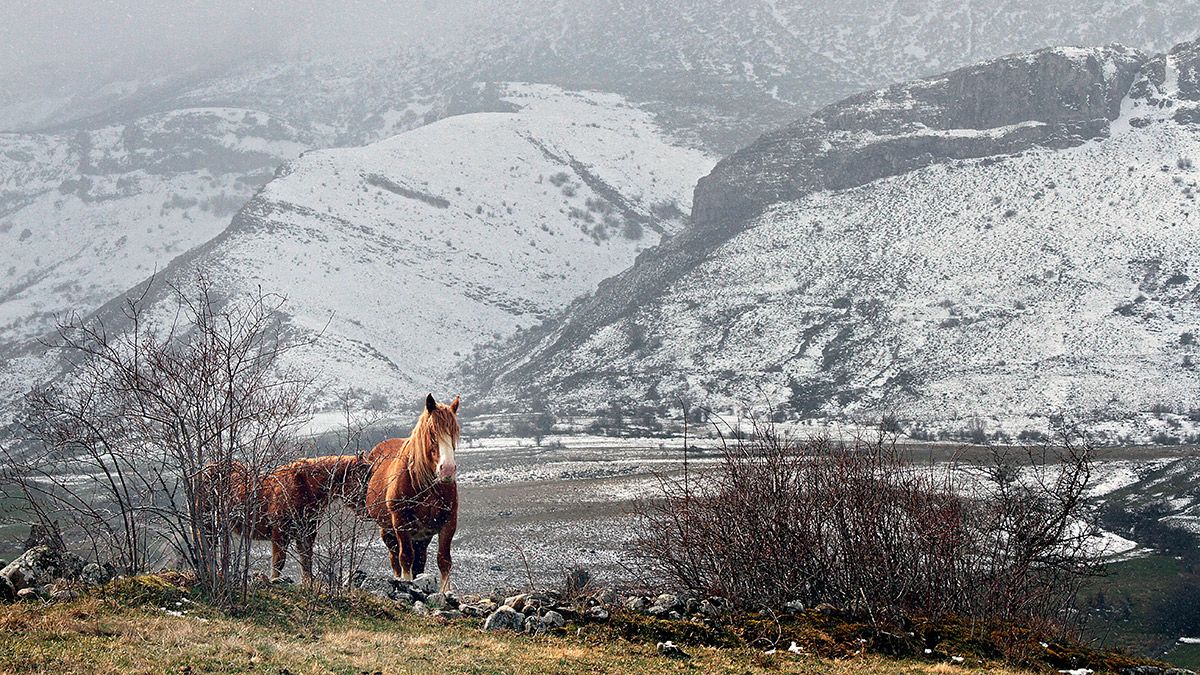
439,423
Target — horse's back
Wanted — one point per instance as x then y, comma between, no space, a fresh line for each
387,449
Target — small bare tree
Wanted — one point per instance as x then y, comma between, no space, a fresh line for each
162,427
345,537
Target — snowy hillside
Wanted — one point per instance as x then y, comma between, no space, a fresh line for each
407,253
88,212
966,274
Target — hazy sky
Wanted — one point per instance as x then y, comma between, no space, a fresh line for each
139,36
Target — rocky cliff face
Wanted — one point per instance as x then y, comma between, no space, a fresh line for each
1052,98
1027,220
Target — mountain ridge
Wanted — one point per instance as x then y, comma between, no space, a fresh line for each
1112,96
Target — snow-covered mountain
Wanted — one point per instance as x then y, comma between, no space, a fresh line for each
99,186
716,73
1001,244
407,253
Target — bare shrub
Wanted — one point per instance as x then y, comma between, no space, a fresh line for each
143,440
862,527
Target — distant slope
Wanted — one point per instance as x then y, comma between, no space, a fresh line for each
995,246
86,215
89,210
407,253
727,70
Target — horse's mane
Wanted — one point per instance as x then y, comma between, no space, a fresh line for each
420,449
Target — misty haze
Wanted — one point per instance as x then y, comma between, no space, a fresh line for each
548,336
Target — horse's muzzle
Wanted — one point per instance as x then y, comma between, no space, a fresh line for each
446,470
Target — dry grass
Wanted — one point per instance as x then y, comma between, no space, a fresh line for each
105,635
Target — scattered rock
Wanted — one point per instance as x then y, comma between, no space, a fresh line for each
45,534
94,574
426,582
448,614
637,603
480,608
553,619
568,612
27,593
793,606
419,607
658,611
667,600
40,565
505,618
597,613
671,650
436,601
534,625
517,602
371,583
283,581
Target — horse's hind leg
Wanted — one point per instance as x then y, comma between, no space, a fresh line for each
305,541
279,545
420,552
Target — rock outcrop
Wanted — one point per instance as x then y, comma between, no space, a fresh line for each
34,572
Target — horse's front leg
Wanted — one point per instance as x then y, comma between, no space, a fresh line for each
445,536
406,555
404,538
393,546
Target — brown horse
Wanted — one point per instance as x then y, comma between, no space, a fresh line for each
412,494
289,501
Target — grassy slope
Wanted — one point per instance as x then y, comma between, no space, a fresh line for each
1140,583
288,632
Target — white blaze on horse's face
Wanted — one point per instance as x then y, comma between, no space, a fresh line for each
446,466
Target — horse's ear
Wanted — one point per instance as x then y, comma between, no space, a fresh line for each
454,405
430,404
